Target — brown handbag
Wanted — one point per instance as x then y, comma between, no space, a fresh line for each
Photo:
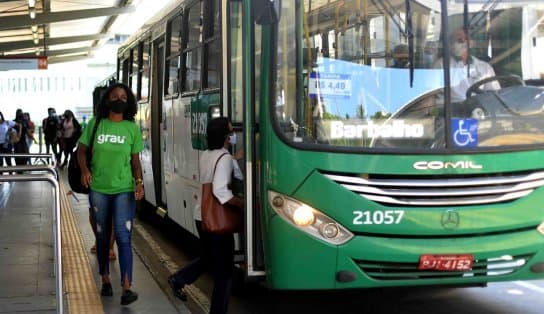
219,218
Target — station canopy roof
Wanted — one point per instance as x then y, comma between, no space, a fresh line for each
62,30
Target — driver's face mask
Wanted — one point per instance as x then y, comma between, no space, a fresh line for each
459,48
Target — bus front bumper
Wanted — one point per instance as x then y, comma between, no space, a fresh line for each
296,260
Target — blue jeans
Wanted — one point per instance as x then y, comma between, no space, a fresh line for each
119,209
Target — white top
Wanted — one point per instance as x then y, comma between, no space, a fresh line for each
4,127
220,180
460,82
68,127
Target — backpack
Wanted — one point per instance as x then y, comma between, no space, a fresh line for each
51,127
12,136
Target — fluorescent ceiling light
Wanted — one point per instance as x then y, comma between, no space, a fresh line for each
31,3
34,28
36,41
32,13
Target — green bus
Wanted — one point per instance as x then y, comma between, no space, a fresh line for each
386,143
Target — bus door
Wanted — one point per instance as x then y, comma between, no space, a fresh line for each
239,97
157,122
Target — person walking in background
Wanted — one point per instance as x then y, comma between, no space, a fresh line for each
51,130
6,129
21,147
115,180
31,129
83,122
71,131
216,165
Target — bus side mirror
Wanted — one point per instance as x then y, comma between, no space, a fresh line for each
266,12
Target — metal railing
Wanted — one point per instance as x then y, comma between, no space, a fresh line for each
52,178
33,168
51,157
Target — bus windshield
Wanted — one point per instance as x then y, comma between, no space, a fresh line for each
410,74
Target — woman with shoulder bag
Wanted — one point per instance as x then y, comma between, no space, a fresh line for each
71,131
115,180
216,166
6,130
21,147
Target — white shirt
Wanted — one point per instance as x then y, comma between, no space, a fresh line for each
4,127
220,180
460,82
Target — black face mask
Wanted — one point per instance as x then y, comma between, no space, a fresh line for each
118,106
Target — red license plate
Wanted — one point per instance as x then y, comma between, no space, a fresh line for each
451,262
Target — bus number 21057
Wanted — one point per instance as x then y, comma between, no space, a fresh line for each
377,217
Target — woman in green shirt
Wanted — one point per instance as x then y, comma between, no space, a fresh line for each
115,180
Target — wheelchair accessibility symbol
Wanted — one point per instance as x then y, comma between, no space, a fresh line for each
464,132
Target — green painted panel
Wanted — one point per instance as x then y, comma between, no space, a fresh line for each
297,260
200,114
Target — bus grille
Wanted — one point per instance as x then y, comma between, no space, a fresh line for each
381,270
441,190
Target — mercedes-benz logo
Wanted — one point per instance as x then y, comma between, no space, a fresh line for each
450,219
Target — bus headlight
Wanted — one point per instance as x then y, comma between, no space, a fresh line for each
309,219
540,228
303,216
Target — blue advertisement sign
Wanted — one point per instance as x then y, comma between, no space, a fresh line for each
329,85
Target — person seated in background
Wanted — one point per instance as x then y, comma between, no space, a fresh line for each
460,62
400,56
430,52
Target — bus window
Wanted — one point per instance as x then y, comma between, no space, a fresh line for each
350,89
212,45
493,54
124,70
144,70
192,59
235,83
171,86
133,81
340,86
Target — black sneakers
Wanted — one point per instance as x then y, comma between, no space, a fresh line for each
128,297
176,288
106,290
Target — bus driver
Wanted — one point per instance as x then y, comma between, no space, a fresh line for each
460,62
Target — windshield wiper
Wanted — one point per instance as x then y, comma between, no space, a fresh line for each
410,33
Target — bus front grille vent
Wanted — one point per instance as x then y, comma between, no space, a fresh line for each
441,190
500,266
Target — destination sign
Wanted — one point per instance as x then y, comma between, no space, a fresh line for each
22,63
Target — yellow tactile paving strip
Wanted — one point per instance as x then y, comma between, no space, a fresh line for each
79,284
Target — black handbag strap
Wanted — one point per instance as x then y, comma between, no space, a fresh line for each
95,127
91,143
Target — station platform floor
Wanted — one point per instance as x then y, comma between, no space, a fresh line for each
27,278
